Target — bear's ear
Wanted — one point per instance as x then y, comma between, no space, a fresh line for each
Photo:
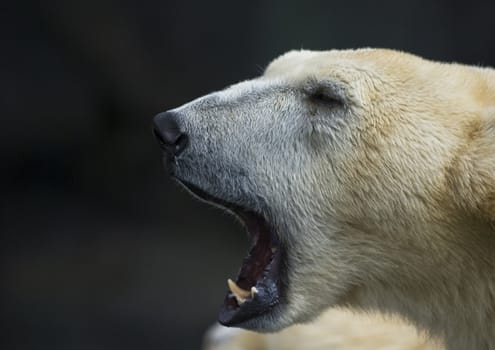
472,171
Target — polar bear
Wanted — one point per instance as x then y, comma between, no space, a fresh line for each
365,180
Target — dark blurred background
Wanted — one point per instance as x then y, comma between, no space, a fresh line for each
99,250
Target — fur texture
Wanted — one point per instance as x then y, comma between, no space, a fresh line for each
334,330
377,170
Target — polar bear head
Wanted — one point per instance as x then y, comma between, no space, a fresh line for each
348,170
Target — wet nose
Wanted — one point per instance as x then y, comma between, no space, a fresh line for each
168,133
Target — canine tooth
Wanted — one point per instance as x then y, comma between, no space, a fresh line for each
253,291
240,300
239,293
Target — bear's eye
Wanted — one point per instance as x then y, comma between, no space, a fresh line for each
325,98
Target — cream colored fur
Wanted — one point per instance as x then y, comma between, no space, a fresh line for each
435,198
383,202
334,330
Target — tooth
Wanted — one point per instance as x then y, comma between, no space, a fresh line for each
234,288
253,291
239,293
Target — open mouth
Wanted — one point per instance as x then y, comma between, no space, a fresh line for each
255,290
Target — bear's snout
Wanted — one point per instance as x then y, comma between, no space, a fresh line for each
169,134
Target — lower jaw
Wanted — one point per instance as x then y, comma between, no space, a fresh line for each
261,270
264,323
259,305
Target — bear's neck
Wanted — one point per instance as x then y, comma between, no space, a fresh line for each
450,294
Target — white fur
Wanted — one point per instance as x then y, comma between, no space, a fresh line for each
384,202
334,330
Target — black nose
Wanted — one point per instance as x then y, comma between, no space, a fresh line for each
168,133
